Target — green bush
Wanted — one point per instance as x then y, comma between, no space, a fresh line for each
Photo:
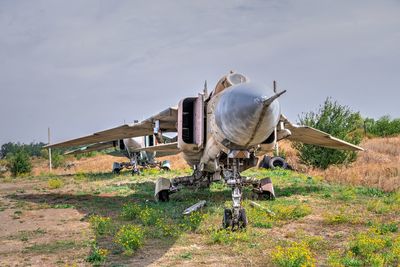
337,120
55,183
192,221
100,225
57,160
97,255
19,163
57,157
385,126
131,211
294,255
32,149
87,155
130,238
224,236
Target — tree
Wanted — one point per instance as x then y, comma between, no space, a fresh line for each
19,163
33,149
7,148
383,127
338,121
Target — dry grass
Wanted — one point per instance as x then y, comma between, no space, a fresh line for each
378,166
177,161
96,164
99,163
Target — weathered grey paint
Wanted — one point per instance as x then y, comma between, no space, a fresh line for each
242,116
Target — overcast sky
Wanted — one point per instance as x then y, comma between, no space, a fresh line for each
83,66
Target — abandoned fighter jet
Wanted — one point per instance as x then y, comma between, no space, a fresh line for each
128,147
220,135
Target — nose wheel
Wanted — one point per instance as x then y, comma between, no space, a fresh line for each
229,220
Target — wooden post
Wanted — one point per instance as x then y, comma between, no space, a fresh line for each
48,135
276,142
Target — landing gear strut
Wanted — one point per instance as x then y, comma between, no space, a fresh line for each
236,216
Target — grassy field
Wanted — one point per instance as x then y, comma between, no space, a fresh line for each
101,219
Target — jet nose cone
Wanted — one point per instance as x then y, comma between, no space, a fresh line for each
242,115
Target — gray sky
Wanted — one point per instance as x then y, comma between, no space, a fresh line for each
84,66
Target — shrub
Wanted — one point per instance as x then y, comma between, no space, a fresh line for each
57,157
385,228
33,149
130,211
19,163
165,227
97,255
100,225
338,121
291,212
368,249
86,155
294,255
192,221
130,238
55,183
383,127
80,176
224,236
57,160
366,243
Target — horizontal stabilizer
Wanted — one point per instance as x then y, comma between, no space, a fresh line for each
312,136
164,149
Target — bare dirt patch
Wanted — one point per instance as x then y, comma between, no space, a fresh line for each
39,237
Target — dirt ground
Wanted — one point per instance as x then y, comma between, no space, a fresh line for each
31,235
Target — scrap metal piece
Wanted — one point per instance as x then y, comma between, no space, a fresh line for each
161,185
194,207
266,186
256,205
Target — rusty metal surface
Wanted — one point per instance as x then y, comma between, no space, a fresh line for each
267,186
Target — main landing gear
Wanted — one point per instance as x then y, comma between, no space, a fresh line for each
234,218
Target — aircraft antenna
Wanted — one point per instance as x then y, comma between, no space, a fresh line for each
205,91
274,86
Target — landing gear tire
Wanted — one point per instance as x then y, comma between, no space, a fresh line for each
276,162
135,172
227,219
264,162
264,196
242,219
163,196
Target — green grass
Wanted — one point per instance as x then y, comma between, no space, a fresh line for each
49,248
164,220
310,221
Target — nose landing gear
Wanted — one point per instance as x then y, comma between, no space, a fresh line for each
235,218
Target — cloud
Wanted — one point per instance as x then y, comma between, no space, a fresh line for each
83,66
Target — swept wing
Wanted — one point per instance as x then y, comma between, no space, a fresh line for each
167,119
312,136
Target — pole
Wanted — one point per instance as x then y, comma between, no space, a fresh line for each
48,135
276,142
